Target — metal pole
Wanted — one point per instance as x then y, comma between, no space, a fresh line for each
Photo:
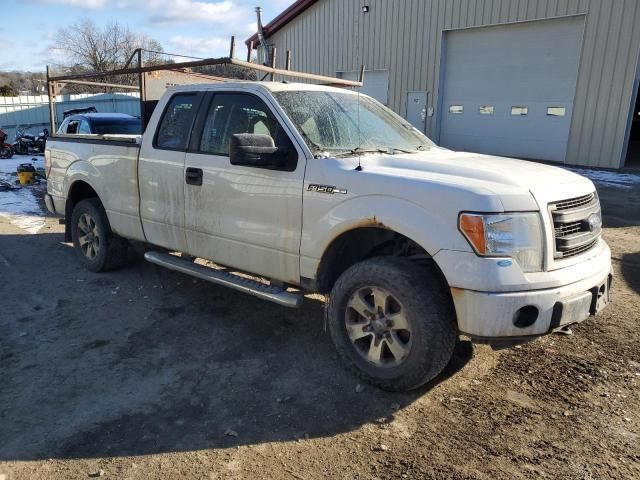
361,75
143,116
249,51
273,61
100,84
149,68
296,74
263,47
232,50
133,54
206,62
288,61
51,90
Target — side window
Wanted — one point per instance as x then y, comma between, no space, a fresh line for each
231,113
72,128
63,127
85,129
214,127
176,122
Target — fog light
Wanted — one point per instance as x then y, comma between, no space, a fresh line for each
525,316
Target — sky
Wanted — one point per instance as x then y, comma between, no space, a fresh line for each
200,28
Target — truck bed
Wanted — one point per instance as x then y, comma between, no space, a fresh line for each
75,159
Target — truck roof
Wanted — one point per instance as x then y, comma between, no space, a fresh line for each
107,115
253,85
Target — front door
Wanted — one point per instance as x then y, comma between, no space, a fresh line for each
161,173
417,110
243,217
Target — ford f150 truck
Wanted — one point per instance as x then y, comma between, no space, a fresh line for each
321,189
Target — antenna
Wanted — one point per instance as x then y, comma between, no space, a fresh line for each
365,10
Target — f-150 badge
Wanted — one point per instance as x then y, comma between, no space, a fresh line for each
330,189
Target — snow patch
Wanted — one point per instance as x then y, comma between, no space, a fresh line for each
9,166
20,206
608,177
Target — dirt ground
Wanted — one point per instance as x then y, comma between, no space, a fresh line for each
145,373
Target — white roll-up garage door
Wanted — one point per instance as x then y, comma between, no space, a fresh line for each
509,89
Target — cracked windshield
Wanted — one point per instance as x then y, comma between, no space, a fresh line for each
338,123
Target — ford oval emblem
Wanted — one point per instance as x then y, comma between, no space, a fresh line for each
593,222
505,263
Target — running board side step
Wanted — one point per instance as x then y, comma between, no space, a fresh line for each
222,277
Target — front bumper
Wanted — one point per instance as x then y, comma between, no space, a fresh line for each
491,316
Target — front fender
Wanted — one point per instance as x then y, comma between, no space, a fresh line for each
432,232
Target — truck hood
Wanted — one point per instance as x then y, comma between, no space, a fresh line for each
494,172
488,182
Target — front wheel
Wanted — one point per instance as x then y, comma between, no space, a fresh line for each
392,321
98,248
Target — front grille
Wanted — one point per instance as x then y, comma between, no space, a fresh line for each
578,250
565,229
577,225
575,202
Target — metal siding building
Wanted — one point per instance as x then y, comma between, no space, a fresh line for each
409,47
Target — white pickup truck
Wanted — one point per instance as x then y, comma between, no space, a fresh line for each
315,188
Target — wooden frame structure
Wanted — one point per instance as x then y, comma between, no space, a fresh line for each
89,78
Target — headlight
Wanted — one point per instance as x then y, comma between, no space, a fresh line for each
515,235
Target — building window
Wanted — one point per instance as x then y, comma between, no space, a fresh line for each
456,109
556,111
519,110
486,109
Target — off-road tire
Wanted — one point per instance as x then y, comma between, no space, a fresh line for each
428,308
112,251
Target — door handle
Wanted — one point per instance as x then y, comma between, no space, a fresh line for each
193,176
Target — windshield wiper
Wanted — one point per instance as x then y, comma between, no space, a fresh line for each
360,150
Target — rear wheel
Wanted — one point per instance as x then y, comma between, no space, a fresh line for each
393,322
96,245
6,152
21,149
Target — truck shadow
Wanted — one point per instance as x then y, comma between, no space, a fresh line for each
630,268
144,360
620,206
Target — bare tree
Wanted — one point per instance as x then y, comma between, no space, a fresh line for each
83,46
8,91
29,82
154,53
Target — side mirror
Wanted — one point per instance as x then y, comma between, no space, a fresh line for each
255,150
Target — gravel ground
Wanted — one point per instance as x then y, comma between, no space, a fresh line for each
145,373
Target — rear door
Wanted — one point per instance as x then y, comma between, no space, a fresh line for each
161,173
244,217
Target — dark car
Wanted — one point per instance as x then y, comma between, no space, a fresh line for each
101,124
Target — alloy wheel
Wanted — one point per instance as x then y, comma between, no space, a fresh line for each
377,327
88,237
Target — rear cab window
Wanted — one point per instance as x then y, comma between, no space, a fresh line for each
119,126
177,119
